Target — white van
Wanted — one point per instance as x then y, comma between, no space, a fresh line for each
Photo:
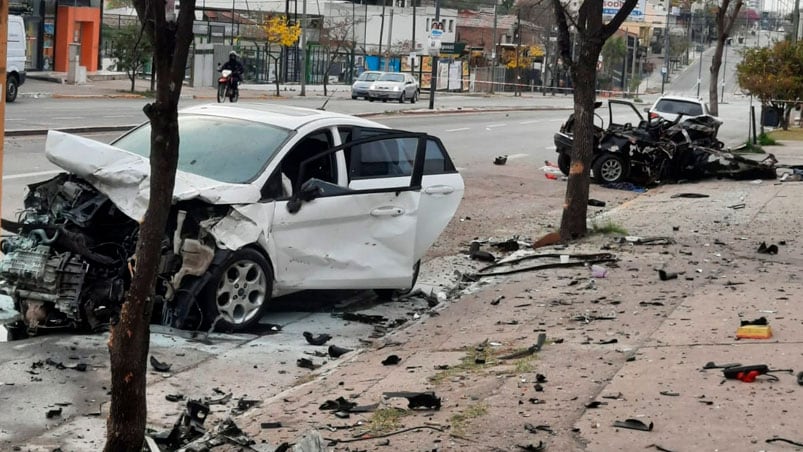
15,59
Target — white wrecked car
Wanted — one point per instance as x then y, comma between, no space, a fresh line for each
268,200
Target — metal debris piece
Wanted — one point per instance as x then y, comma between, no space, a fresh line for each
55,412
391,360
320,339
500,160
634,424
530,350
417,400
764,249
336,352
689,195
159,366
363,318
306,363
541,447
664,275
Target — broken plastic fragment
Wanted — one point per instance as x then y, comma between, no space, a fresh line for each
320,339
159,366
634,424
417,400
391,360
337,352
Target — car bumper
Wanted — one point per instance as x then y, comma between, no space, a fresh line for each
359,92
385,94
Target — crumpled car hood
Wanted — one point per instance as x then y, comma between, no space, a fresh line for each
125,177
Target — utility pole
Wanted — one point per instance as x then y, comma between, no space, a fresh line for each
724,71
700,68
390,37
796,21
433,81
666,46
517,90
304,50
493,52
382,28
412,46
3,69
633,64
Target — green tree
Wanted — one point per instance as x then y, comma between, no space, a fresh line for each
129,337
132,49
774,75
279,31
613,54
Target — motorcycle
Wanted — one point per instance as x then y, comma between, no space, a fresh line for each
226,87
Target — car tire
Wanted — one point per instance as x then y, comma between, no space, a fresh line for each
414,98
12,88
401,98
609,169
384,100
370,99
238,292
564,163
353,97
388,294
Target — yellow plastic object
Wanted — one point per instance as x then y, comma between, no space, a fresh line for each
754,332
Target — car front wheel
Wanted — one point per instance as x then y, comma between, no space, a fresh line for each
11,89
401,98
609,169
238,292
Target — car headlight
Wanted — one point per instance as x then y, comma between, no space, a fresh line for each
372,86
396,88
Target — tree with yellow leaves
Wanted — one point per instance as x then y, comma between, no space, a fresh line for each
279,31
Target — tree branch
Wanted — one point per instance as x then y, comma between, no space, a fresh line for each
610,28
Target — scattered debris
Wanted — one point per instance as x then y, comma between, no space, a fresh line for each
689,195
500,160
647,240
159,366
496,300
749,374
581,261
754,329
80,367
650,303
764,249
659,448
507,246
174,397
634,424
737,206
608,341
541,447
670,393
266,425
475,253
530,350
363,318
188,427
320,339
306,363
598,271
538,428
784,440
336,352
595,202
55,412
391,360
595,404
713,365
417,400
666,276
800,378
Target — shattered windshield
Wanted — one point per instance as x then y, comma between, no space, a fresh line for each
224,149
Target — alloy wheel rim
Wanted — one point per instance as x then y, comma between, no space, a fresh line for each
242,290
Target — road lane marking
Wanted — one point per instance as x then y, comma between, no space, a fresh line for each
17,119
532,121
517,156
491,126
458,129
66,118
550,148
118,116
36,174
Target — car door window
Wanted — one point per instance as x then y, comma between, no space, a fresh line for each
322,167
436,160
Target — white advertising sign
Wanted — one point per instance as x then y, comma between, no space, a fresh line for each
611,7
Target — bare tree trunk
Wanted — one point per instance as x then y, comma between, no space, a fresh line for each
133,77
575,206
129,338
716,63
276,78
325,79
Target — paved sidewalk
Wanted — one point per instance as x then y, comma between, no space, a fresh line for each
624,346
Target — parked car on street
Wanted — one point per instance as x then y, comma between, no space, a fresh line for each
360,86
394,86
268,200
671,107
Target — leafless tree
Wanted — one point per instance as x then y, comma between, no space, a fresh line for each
336,36
590,34
726,16
129,339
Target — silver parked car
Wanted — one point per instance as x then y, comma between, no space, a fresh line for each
268,200
360,86
395,86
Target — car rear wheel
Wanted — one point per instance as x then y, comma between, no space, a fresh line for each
370,99
415,97
564,163
401,98
609,169
353,97
238,292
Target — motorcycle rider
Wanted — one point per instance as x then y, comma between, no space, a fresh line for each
236,69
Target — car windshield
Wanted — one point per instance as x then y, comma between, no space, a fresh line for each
392,78
675,106
224,149
368,76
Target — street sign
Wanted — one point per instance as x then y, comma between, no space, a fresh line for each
435,41
663,69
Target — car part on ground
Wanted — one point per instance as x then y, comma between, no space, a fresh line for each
237,234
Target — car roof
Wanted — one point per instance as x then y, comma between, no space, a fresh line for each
684,99
284,116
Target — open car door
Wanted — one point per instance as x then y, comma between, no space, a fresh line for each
360,236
